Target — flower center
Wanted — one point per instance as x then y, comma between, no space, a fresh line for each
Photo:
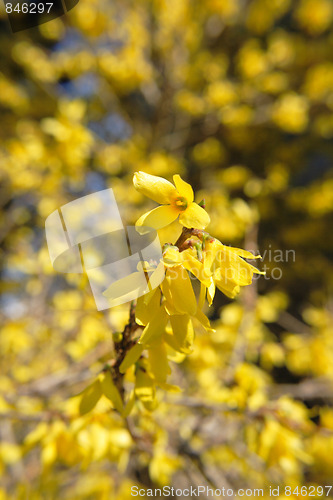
181,203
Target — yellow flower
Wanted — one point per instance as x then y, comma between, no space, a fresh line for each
229,269
220,266
175,200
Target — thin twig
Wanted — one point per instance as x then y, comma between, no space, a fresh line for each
121,349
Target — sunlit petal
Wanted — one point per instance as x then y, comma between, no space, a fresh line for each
196,267
145,388
179,291
131,357
194,216
155,327
172,257
229,289
184,189
158,217
156,276
154,187
145,305
204,321
211,292
234,268
242,253
129,287
158,361
202,296
183,332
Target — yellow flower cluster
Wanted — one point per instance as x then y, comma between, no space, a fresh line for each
167,312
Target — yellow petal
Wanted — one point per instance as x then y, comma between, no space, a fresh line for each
158,217
144,388
157,276
90,397
184,189
155,327
170,387
231,293
211,292
183,332
167,303
196,267
202,296
172,257
204,321
212,251
129,405
171,341
156,188
194,216
131,357
128,287
179,291
158,361
234,269
229,288
145,305
173,354
111,392
255,270
242,253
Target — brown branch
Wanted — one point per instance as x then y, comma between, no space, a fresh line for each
186,233
45,416
198,404
292,324
121,349
50,384
319,388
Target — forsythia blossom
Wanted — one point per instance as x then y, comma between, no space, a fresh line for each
175,200
168,313
165,317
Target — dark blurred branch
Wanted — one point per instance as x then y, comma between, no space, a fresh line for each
292,324
307,390
45,416
47,386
